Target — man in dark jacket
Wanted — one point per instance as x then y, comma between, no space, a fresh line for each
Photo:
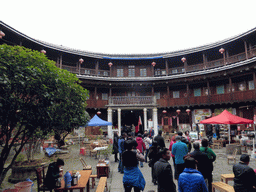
53,173
204,164
163,172
245,178
159,139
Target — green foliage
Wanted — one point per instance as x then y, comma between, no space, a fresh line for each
36,99
20,158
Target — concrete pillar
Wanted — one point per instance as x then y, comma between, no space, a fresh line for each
145,119
119,121
155,121
110,132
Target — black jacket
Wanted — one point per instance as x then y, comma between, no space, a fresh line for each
163,173
52,175
245,178
115,145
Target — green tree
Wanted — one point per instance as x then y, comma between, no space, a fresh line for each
36,99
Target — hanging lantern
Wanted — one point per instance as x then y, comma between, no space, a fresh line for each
183,59
43,51
221,50
153,64
178,111
81,60
98,113
110,64
188,111
164,111
1,34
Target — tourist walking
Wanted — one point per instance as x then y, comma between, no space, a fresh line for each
191,180
141,146
153,158
148,142
179,150
245,177
173,140
115,146
151,132
133,177
163,172
212,157
159,139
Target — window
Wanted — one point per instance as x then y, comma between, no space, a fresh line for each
197,92
130,94
86,71
105,73
176,94
157,95
143,72
120,72
104,96
157,72
251,85
220,89
241,86
131,71
163,72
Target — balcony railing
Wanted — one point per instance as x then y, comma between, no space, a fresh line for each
132,100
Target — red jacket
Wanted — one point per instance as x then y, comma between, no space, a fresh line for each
141,145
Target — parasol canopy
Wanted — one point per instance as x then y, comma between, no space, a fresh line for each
226,118
96,121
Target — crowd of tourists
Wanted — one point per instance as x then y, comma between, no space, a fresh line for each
192,169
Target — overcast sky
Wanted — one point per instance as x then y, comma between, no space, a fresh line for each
128,27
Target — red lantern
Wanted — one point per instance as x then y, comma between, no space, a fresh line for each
178,111
188,111
43,51
221,50
1,34
110,64
164,111
81,60
183,59
153,64
98,113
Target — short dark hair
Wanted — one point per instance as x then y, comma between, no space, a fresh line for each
190,162
205,142
60,162
163,151
129,144
160,132
245,158
139,135
179,133
196,145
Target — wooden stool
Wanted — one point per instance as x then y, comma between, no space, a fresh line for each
222,187
93,180
227,177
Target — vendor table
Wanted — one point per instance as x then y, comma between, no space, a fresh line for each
227,177
82,182
102,170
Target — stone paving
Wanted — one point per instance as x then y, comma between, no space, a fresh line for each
72,162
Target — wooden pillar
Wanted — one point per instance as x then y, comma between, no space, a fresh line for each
61,61
79,68
187,94
186,66
254,80
250,50
97,68
110,92
208,87
152,70
204,60
231,92
58,62
168,91
245,48
152,91
166,67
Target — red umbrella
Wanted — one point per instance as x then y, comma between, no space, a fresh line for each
226,118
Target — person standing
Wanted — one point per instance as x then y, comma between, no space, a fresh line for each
151,132
148,142
115,146
153,158
163,172
159,139
133,177
120,151
191,180
141,146
245,177
53,173
179,150
212,157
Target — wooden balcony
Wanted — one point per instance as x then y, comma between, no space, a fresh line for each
132,101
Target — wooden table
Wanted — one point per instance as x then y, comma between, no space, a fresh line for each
82,182
102,170
227,177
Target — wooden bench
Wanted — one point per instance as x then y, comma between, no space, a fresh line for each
222,187
93,180
227,177
102,184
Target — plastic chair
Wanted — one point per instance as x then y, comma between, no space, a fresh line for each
40,175
85,166
233,156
